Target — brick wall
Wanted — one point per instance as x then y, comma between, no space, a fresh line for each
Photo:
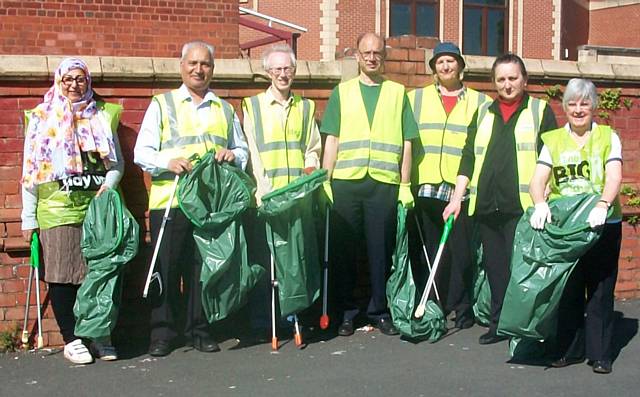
117,27
452,20
575,28
616,26
537,30
356,17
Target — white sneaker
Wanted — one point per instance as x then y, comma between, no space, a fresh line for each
77,352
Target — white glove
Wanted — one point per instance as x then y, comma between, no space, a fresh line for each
597,217
541,215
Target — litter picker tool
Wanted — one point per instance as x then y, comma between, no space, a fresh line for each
297,333
432,275
426,254
25,332
155,275
324,319
274,291
35,264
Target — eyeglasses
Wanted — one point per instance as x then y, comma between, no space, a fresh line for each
68,80
288,70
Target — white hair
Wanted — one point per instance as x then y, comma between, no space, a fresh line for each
283,48
196,43
580,89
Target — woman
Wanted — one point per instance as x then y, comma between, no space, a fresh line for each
584,157
71,154
497,163
443,111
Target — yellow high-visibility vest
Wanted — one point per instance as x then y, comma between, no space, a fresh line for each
526,133
363,149
281,149
577,169
442,136
182,135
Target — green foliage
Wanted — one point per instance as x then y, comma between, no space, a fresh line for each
628,190
10,339
610,99
627,103
633,201
554,92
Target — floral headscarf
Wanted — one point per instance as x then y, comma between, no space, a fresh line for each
60,130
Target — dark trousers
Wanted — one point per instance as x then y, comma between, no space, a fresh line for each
63,297
178,310
497,232
362,208
455,274
259,253
585,328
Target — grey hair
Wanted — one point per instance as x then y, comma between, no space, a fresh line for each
580,89
283,48
196,43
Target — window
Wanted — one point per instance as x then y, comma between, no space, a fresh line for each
417,17
484,27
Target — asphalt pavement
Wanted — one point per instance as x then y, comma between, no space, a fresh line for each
366,364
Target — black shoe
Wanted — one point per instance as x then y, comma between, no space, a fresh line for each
346,328
602,367
385,325
491,338
464,322
566,361
160,348
205,344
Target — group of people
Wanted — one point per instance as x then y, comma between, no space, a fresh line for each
444,149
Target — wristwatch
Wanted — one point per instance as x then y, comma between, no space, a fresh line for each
606,202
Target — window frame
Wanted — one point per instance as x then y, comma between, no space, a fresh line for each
484,25
414,15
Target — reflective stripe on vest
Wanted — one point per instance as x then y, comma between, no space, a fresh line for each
578,170
281,149
183,135
374,149
442,136
526,133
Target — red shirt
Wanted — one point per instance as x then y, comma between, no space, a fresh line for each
449,101
508,109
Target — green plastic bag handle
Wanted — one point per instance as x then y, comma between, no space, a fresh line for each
447,229
35,250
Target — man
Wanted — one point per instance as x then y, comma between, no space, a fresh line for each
369,127
280,127
284,143
443,111
178,124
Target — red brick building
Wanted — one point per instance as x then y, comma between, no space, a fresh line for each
543,29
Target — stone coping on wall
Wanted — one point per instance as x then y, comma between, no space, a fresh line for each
149,70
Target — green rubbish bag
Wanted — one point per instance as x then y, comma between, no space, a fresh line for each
110,238
481,290
541,264
292,239
402,290
213,197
